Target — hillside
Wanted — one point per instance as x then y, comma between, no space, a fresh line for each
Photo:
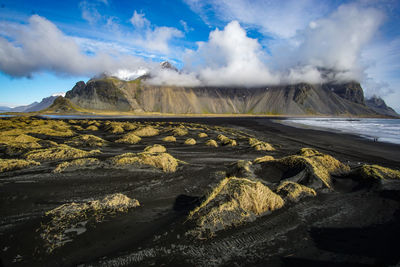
110,93
62,105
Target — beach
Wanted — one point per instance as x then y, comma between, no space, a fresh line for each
350,223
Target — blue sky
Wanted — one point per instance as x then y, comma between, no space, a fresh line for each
47,46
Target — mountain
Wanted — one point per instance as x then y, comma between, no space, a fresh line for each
379,106
110,93
62,105
37,106
5,109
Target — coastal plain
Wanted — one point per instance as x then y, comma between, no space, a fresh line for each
194,191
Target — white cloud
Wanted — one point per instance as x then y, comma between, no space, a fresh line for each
230,58
139,21
185,26
277,18
41,46
90,12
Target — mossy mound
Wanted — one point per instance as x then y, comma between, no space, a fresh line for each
190,141
62,221
169,138
294,192
263,159
163,161
241,168
18,144
16,164
129,138
156,148
114,127
308,167
180,131
212,143
260,145
84,163
59,152
146,131
225,141
202,135
233,201
376,172
92,128
86,140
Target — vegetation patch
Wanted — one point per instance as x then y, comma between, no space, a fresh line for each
225,141
233,201
114,127
92,128
156,148
69,220
263,159
190,141
180,131
129,138
58,153
376,172
16,164
87,140
146,131
260,145
202,135
294,192
212,143
163,161
169,138
84,163
307,167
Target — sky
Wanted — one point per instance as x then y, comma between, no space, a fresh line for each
47,46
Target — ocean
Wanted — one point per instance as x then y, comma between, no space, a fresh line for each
381,130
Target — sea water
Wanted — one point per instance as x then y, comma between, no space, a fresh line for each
381,130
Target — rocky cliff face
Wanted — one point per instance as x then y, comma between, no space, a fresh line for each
379,106
110,93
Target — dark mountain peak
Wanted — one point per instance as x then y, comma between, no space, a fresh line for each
379,106
167,65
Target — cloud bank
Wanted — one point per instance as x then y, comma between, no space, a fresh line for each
327,49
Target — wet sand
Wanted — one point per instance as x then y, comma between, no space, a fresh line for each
345,227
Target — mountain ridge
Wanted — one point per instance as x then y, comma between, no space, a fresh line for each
111,93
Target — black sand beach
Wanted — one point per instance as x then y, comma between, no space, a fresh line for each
352,224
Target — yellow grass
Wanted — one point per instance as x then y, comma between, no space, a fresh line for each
377,172
212,143
263,159
146,131
71,215
169,138
129,138
316,164
232,202
190,141
92,128
294,191
86,140
202,135
180,131
156,148
77,163
59,152
163,161
260,145
16,164
114,127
